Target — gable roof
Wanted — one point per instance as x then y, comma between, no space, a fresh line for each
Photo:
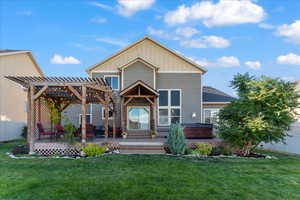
6,52
198,67
138,59
136,83
213,95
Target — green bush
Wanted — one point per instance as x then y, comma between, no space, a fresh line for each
221,150
92,150
176,140
203,149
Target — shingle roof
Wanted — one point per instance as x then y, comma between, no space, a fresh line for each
211,94
11,51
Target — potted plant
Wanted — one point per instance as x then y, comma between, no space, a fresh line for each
124,135
153,134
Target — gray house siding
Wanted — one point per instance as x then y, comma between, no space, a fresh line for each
138,71
190,85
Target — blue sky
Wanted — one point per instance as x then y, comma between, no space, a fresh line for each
227,36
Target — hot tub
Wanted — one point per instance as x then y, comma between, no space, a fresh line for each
198,130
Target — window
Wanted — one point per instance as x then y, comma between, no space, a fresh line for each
88,115
109,113
169,110
211,115
113,81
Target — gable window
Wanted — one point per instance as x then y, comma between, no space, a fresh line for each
109,113
113,81
169,109
210,115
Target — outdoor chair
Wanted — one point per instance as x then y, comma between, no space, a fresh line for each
89,131
42,131
59,130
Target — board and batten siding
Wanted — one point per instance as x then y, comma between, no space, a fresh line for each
151,52
190,85
138,71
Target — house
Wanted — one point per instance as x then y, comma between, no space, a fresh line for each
292,143
154,87
13,98
213,100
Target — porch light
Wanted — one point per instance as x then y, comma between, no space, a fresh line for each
194,115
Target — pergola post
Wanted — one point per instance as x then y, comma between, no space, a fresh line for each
114,120
154,114
123,124
31,120
106,113
83,115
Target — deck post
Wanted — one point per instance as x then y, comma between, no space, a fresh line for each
154,113
31,120
106,114
83,115
114,120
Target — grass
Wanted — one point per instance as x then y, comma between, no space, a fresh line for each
148,177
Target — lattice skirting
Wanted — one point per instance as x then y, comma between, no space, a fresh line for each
50,149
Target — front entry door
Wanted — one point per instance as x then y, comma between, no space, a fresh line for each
138,118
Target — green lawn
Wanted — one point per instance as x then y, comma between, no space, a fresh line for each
148,177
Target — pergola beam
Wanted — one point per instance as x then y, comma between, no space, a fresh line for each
39,93
75,92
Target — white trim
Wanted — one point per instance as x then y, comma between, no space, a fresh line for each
179,72
13,52
102,113
90,114
127,110
113,75
154,78
208,103
169,107
122,74
100,71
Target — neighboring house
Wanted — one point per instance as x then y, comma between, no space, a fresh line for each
213,101
147,67
13,98
292,144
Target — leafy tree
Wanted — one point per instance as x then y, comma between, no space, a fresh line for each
263,112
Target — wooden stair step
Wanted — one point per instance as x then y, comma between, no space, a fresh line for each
134,151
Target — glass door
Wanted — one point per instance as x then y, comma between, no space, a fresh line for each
138,118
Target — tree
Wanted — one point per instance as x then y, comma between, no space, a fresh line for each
263,112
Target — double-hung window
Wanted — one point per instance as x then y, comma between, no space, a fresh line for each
113,81
88,115
169,110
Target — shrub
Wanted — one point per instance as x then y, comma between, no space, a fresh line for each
24,132
70,129
221,150
20,149
176,140
93,150
263,112
203,149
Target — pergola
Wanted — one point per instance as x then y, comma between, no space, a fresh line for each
64,91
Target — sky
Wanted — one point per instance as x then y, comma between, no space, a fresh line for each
227,37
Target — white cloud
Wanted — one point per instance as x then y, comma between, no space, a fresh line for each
289,59
24,12
253,64
210,41
290,31
58,59
100,5
186,31
99,20
223,13
161,34
112,41
225,61
266,26
128,8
